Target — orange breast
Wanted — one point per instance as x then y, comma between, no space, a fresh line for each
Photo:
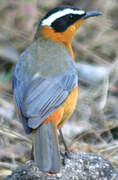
69,106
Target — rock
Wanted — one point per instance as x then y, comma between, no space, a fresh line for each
92,74
7,51
82,166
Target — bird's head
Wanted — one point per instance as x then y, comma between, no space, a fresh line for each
62,23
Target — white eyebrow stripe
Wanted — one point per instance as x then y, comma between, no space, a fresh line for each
49,20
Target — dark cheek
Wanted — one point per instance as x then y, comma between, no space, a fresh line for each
60,26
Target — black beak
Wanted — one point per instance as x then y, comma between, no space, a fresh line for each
91,14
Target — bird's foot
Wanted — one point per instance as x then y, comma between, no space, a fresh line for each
65,155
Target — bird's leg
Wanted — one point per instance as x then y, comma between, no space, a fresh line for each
67,152
32,154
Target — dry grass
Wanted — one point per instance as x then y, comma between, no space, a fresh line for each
94,126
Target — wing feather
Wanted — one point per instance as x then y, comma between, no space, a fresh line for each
42,99
19,88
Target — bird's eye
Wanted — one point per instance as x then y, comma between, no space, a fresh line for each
71,16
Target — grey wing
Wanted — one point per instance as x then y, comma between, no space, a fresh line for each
43,97
18,91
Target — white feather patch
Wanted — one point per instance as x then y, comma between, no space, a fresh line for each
36,75
49,20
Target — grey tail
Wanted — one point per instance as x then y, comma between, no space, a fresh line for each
46,149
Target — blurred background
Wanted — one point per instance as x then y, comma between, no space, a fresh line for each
94,124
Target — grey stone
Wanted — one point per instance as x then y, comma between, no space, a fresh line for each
81,166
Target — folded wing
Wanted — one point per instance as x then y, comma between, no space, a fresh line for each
42,97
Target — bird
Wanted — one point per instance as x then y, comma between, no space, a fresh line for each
45,83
